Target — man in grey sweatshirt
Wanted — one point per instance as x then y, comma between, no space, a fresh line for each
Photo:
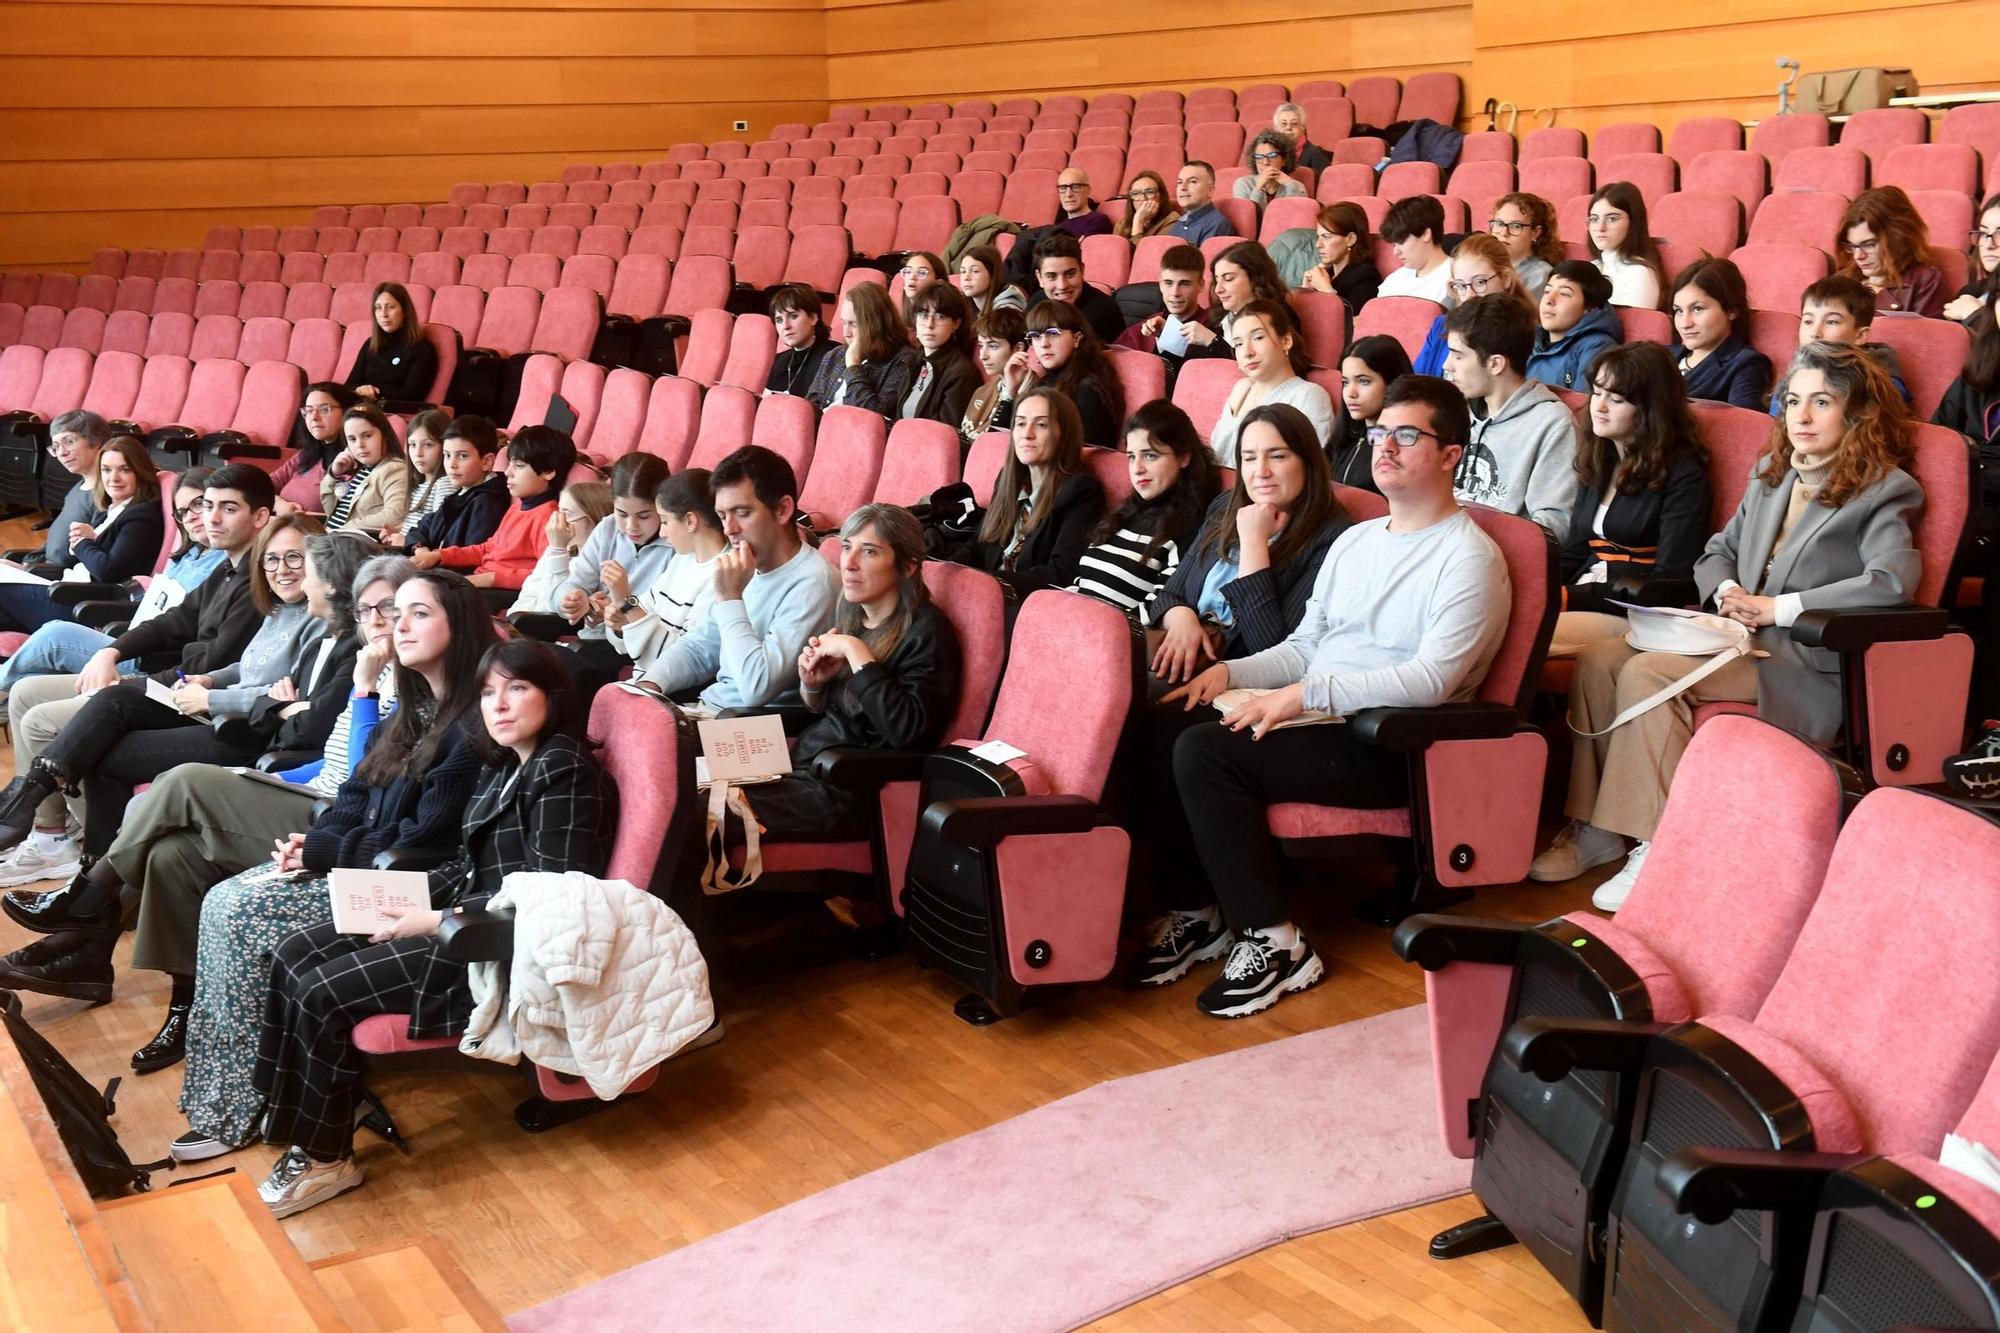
1522,456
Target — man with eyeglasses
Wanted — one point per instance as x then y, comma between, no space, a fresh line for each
1194,195
1406,612
1076,212
75,441
1521,457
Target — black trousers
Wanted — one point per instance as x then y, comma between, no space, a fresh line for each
1226,781
25,608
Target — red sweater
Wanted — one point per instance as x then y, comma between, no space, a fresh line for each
511,553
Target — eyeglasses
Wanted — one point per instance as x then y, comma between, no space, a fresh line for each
1462,287
367,611
323,410
1981,236
1867,247
1403,437
1052,331
1498,225
182,511
909,273
1149,193
1065,189
1267,157
284,560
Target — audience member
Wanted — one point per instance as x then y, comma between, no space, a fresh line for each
1076,212
430,484
75,440
876,366
1406,611
1272,356
542,804
1840,309
1271,160
119,540
1971,406
1641,498
1064,354
1415,227
1622,247
1526,225
397,365
803,342
538,459
1886,245
1290,120
949,375
367,485
645,624
1367,368
920,269
315,440
982,280
581,509
1578,321
625,553
1712,336
1166,334
1521,454
1478,267
1826,524
1147,209
472,512
1194,193
1046,500
1000,340
1059,270
1346,264
1982,259
1137,546
1241,274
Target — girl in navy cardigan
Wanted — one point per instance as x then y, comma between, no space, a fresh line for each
1711,320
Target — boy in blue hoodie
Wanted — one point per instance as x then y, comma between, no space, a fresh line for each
1577,322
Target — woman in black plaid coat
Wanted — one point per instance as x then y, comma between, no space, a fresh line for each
542,803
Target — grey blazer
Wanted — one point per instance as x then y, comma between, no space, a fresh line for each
1862,554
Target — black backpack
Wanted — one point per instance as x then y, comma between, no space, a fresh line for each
82,1113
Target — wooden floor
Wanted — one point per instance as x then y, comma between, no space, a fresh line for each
832,1067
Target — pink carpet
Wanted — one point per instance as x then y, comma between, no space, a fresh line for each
1075,1209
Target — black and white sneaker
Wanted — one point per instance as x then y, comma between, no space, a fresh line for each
1259,974
1176,943
1975,774
198,1146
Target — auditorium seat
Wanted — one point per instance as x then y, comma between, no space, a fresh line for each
1952,167
1654,174
114,385
1777,273
1432,95
1553,141
1880,131
313,346
920,457
133,293
1402,179
1364,149
1837,170
308,300
124,331
20,375
1804,217
1375,99
848,449
539,271
1621,139
1322,319
219,266
1556,178
1479,183
1703,134
673,417
258,340
1030,198
1932,352
1778,136
264,298
1407,319
42,325
753,342
1710,220
169,335
1735,172
163,390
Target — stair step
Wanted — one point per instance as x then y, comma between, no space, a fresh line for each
208,1255
412,1287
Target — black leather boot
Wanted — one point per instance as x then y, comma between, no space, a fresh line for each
21,798
168,1045
70,965
47,913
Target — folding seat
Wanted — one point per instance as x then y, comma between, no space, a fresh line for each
1034,159
108,260
851,279
542,272
184,262
1884,129
587,192
918,183
420,300
636,192
460,309
848,450
713,213
352,303
312,300
885,164
698,283
169,335
594,272
462,241
1736,172
1103,136
220,266
373,239
1142,376
579,171
871,225
214,392
222,238
485,271
658,239
170,296
443,215
708,341
1202,388
608,241
1407,319
1619,140
1931,166
948,142
296,238
856,188
1060,140
541,380
1404,179
94,290
309,266
998,163
620,217
1777,273
656,172
1107,261
1029,198
146,264
791,168
1655,174
1932,351
728,415
745,169
1555,178
11,317
416,238
771,189
163,386
439,268
266,340
330,215
546,193
1556,141
818,257
553,240
114,385
673,417
330,241
1835,170
265,237
1703,134
398,217
1777,136
1219,142
20,375
1799,218
1242,214
1365,149
837,165
1652,326
1353,180
42,326
124,331
717,242
567,322
385,266
314,347
1163,134
639,289
1322,320
753,344
507,325
1712,221
766,150
1947,216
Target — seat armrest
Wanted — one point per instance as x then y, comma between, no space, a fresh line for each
1854,631
414,858
982,821
861,770
24,555
246,449
1408,729
75,594
541,625
477,937
1432,941
1711,1184
1656,591
275,761
1550,1048
108,617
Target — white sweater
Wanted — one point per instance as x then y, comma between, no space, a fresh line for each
1632,284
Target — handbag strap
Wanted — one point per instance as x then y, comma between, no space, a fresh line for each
1674,688
723,797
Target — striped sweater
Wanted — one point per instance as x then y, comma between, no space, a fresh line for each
1122,570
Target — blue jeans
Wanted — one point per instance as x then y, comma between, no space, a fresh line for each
59,648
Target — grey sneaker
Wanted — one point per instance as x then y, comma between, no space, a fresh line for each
1578,848
297,1182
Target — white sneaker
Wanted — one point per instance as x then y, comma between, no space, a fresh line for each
1613,892
34,861
1576,849
297,1182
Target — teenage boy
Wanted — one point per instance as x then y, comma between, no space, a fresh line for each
1415,228
1577,322
1059,269
208,629
1165,335
1076,212
1840,309
772,592
470,514
1521,458
538,458
1406,612
75,441
1194,195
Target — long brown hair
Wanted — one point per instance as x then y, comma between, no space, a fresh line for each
1279,321
408,334
1903,242
144,471
904,536
1087,365
1308,514
1542,214
1644,375
1878,438
877,327
1163,219
1014,478
1639,247
408,743
306,525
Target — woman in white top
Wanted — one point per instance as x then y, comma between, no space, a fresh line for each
1415,228
1622,247
646,624
1272,357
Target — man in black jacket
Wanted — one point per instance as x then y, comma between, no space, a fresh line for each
1059,268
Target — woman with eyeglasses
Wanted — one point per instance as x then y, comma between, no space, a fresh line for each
945,382
1367,368
318,436
1712,336
411,789
1884,243
1622,246
1480,266
875,368
1064,354
120,540
201,822
1526,225
1982,258
1149,208
1346,265
920,269
1271,158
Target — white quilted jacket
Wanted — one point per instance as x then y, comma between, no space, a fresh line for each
606,981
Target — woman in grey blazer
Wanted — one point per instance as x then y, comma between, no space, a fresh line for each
1826,524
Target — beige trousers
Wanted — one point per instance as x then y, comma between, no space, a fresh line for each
37,708
1577,630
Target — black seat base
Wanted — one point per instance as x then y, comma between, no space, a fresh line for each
1467,1238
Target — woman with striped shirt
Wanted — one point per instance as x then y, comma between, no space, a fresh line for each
1137,547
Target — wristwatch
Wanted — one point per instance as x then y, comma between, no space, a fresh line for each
631,603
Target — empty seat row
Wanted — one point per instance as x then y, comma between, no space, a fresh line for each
258,401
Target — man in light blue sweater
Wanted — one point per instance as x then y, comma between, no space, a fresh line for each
772,592
1407,612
